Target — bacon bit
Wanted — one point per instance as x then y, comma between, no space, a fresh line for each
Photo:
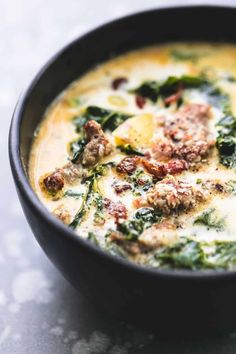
117,210
128,165
158,170
219,187
118,82
175,97
140,101
53,183
120,188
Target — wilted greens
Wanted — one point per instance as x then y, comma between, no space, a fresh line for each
108,119
143,219
226,141
191,254
211,220
163,89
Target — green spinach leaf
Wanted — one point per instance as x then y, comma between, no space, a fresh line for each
155,89
188,253
143,219
211,220
130,150
108,119
77,148
226,141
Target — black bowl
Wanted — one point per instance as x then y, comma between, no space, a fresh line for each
167,302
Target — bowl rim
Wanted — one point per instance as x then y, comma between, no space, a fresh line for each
37,206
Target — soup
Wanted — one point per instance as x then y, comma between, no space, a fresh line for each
138,156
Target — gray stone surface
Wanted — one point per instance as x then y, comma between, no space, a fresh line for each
39,311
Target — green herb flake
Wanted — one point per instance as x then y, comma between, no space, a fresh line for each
73,194
232,186
140,181
99,213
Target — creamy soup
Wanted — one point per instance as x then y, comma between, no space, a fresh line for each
138,156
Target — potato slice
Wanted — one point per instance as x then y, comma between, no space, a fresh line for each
136,131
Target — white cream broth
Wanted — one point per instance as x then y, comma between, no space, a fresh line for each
51,146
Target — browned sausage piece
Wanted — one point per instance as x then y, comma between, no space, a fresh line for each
173,195
186,134
98,144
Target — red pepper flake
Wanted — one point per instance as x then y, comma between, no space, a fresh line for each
116,83
117,210
140,101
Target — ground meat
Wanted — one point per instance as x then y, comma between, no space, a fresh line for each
173,195
62,214
161,234
121,187
128,165
117,210
98,145
160,169
158,235
71,172
175,166
157,169
53,183
132,247
186,134
190,122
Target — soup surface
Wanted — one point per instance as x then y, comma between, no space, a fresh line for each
139,156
